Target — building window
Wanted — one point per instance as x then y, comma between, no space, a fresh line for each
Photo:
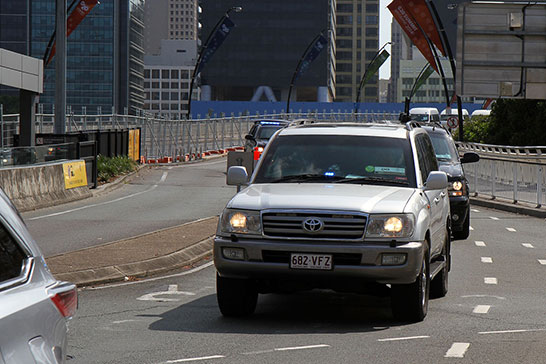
372,8
155,84
155,95
344,8
165,96
370,32
174,85
155,73
164,85
372,19
407,81
174,74
174,96
165,74
146,73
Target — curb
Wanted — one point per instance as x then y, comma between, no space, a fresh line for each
142,269
508,206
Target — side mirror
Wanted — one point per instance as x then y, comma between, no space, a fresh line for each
237,176
470,157
251,140
436,180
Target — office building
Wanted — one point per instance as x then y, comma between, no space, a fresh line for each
104,54
357,43
167,78
258,58
169,19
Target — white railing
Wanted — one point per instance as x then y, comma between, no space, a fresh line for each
517,174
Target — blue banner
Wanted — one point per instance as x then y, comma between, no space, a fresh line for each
215,41
319,45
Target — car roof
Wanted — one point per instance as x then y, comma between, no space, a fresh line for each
418,110
388,130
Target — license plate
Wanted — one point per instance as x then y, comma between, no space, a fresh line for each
311,261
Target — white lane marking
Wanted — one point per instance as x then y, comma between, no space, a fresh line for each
404,338
483,296
479,243
471,228
509,331
490,280
303,347
481,309
494,218
93,205
487,260
542,261
511,229
527,245
164,176
193,359
194,270
172,290
457,350
124,321
474,210
169,168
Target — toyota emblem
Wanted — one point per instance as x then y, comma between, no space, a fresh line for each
313,225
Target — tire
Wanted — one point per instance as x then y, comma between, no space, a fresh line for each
465,232
236,297
410,301
439,285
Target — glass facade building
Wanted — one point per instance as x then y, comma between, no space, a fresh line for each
104,68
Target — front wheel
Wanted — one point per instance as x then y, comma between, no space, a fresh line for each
236,297
410,301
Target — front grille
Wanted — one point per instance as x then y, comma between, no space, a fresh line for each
274,256
338,226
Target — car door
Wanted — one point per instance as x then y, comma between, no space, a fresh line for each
437,198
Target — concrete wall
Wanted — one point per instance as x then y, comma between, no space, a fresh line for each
39,186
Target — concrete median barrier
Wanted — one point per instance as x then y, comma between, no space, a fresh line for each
39,186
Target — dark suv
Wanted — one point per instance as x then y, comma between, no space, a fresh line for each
261,132
451,163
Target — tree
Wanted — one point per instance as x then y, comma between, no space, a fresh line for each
10,103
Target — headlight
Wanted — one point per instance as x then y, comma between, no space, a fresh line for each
241,222
457,188
390,226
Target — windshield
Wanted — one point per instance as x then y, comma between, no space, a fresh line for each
420,117
443,148
266,132
338,159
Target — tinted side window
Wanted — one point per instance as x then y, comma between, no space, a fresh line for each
11,256
421,154
431,160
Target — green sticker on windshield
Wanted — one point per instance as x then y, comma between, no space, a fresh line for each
370,169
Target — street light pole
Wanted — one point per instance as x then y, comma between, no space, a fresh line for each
361,84
237,9
60,69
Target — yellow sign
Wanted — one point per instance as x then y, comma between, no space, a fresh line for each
134,144
75,174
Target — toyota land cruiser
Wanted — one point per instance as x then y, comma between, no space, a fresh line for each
348,207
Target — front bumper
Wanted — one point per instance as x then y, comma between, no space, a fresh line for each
459,207
269,259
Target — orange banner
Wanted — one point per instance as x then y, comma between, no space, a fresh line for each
83,8
421,14
407,21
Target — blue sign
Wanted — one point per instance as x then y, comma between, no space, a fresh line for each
319,45
215,41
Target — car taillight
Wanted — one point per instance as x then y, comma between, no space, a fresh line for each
65,298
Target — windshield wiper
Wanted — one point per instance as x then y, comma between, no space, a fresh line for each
307,177
373,180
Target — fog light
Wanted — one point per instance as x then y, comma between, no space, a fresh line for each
455,217
234,253
393,259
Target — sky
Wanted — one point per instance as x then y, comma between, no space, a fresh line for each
385,19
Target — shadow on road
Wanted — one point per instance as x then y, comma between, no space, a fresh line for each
299,313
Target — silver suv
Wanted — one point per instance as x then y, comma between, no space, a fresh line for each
349,207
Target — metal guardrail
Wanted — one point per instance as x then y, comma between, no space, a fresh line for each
517,174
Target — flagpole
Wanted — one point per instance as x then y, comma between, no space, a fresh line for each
237,9
361,84
293,79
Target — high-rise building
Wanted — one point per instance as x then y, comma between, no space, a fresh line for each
169,19
167,78
258,58
357,43
105,66
401,49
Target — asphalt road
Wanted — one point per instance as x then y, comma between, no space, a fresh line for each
154,199
493,313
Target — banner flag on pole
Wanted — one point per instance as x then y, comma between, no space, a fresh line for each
421,14
422,79
313,53
374,66
83,8
408,23
215,41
